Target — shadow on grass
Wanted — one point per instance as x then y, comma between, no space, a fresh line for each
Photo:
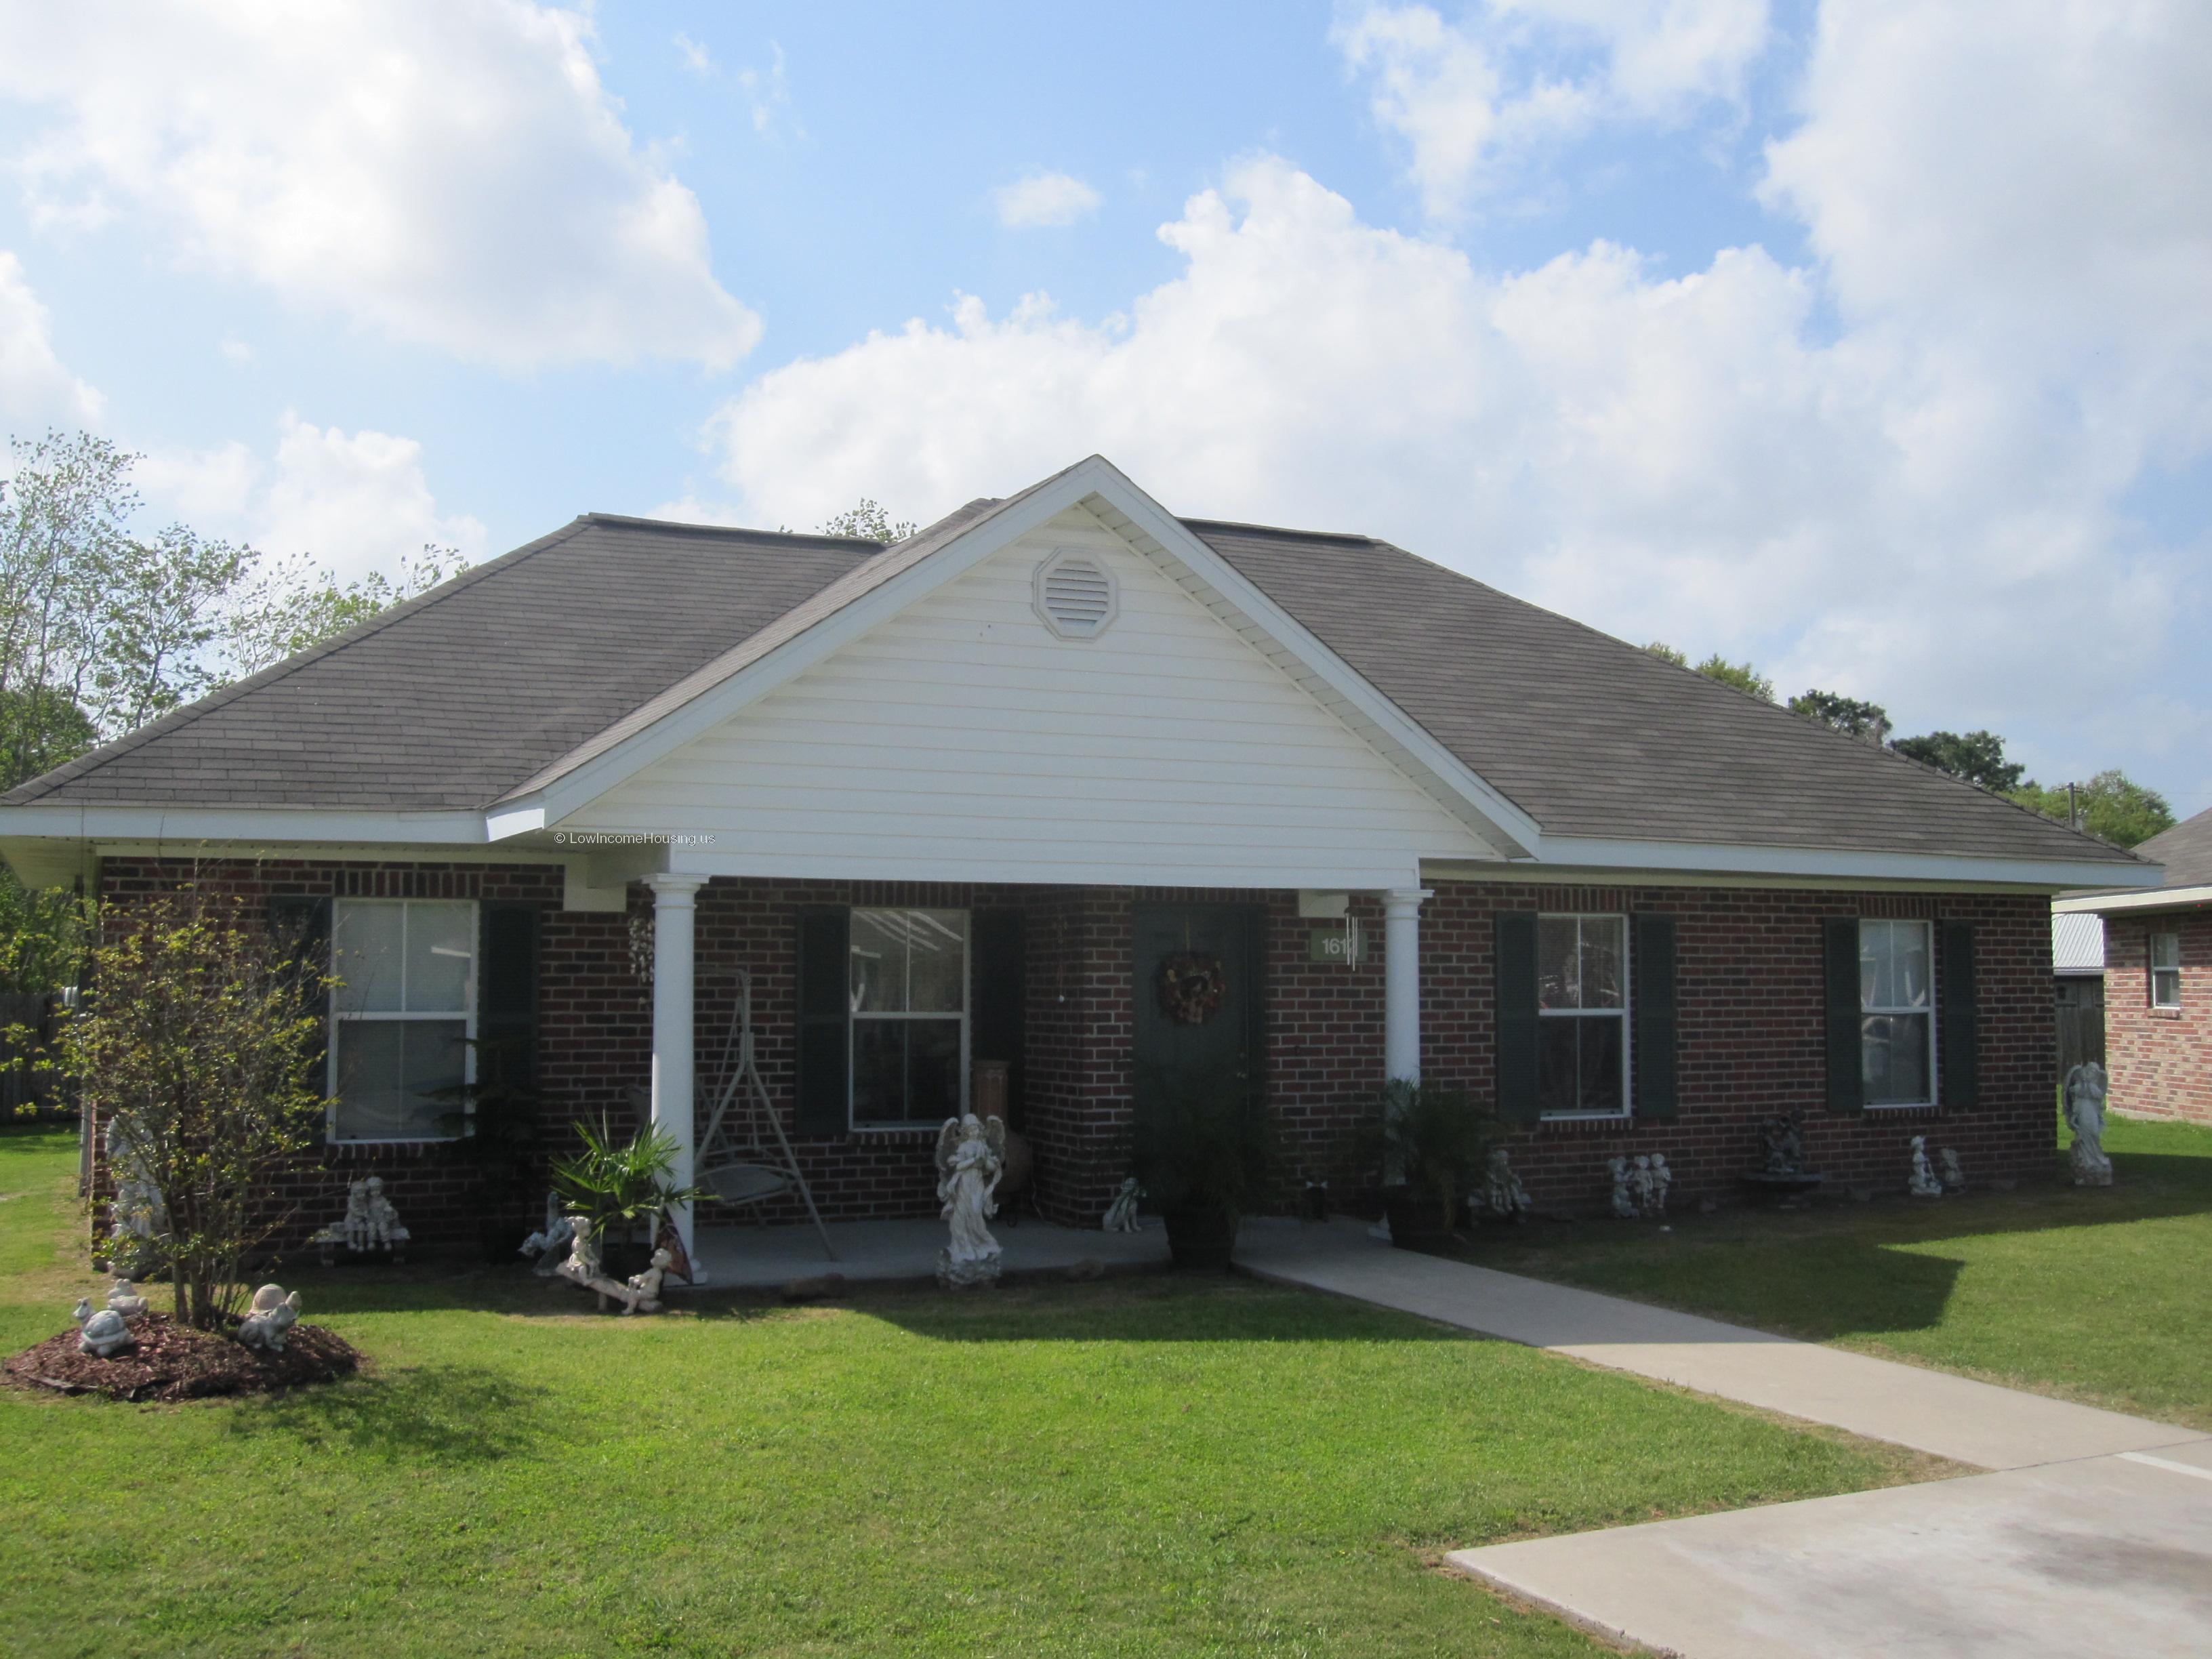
443,1414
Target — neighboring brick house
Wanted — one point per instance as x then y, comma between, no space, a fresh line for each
981,796
2158,979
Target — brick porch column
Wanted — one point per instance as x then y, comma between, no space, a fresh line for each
674,911
1401,983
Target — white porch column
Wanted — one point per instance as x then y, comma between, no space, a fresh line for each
1401,983
673,910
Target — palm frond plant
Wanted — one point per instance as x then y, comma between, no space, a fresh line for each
1434,1141
623,1187
1205,1155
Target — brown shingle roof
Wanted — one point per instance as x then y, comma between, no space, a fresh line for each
553,652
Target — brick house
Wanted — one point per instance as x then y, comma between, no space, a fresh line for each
978,796
2158,978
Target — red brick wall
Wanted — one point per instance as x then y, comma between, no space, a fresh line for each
2161,1059
1750,1034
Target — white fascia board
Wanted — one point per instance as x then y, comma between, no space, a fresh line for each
1512,828
508,822
257,824
2159,899
924,865
1826,863
571,793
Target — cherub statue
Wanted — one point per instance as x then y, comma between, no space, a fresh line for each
1652,1184
353,1226
970,1155
1955,1178
1923,1183
273,1314
385,1232
643,1289
1121,1213
1503,1195
582,1266
2085,1115
1623,1194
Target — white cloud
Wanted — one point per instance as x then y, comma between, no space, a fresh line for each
356,503
696,56
1916,507
36,389
1044,198
453,175
767,97
1468,99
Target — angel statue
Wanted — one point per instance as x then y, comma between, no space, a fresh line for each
2086,1085
970,1154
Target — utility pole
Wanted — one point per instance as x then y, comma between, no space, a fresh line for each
2072,814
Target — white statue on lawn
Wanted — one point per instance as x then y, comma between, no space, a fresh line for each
1121,1213
1652,1180
125,1300
2085,1115
105,1334
970,1156
1624,1190
1923,1183
137,1216
1503,1195
1954,1173
549,1241
273,1314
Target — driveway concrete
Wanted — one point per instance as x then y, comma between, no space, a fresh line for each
2093,1538
2103,1556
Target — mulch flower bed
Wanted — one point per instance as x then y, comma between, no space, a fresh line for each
175,1362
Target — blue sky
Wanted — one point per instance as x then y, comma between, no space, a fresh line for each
1866,340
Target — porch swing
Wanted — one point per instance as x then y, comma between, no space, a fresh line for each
737,1161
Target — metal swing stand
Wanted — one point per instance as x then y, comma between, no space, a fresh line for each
736,1162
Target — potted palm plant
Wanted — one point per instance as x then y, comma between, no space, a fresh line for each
623,1187
1434,1141
1205,1153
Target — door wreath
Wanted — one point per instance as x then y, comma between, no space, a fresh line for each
1192,986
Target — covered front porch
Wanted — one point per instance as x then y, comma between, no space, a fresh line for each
773,1258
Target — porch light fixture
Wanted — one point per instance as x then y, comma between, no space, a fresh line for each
1075,594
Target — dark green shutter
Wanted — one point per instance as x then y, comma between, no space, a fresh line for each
507,994
1000,985
301,923
1958,1019
1653,1012
1515,965
825,1013
1846,1078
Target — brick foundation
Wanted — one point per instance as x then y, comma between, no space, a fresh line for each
1750,1032
2161,1059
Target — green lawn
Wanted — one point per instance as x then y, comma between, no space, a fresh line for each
2103,1295
1135,1467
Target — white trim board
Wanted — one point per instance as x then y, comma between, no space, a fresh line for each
2158,898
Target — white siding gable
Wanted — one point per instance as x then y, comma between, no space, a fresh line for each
962,739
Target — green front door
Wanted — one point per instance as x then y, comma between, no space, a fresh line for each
1204,1027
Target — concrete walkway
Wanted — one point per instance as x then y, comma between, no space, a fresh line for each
2094,1537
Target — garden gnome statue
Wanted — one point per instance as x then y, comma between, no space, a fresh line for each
1121,1213
125,1300
1624,1196
1503,1195
970,1154
1923,1183
1954,1178
2085,1115
1652,1184
273,1314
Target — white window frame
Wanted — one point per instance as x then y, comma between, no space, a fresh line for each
2159,970
853,1017
331,1136
1927,1014
1627,999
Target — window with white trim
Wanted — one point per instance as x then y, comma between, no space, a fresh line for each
909,983
1896,1012
1581,1016
400,1017
2165,970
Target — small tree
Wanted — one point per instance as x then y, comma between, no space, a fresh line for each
1977,757
197,1041
1867,721
869,521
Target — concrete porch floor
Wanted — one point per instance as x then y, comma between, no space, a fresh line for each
745,1257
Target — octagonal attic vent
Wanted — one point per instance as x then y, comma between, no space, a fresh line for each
1075,594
